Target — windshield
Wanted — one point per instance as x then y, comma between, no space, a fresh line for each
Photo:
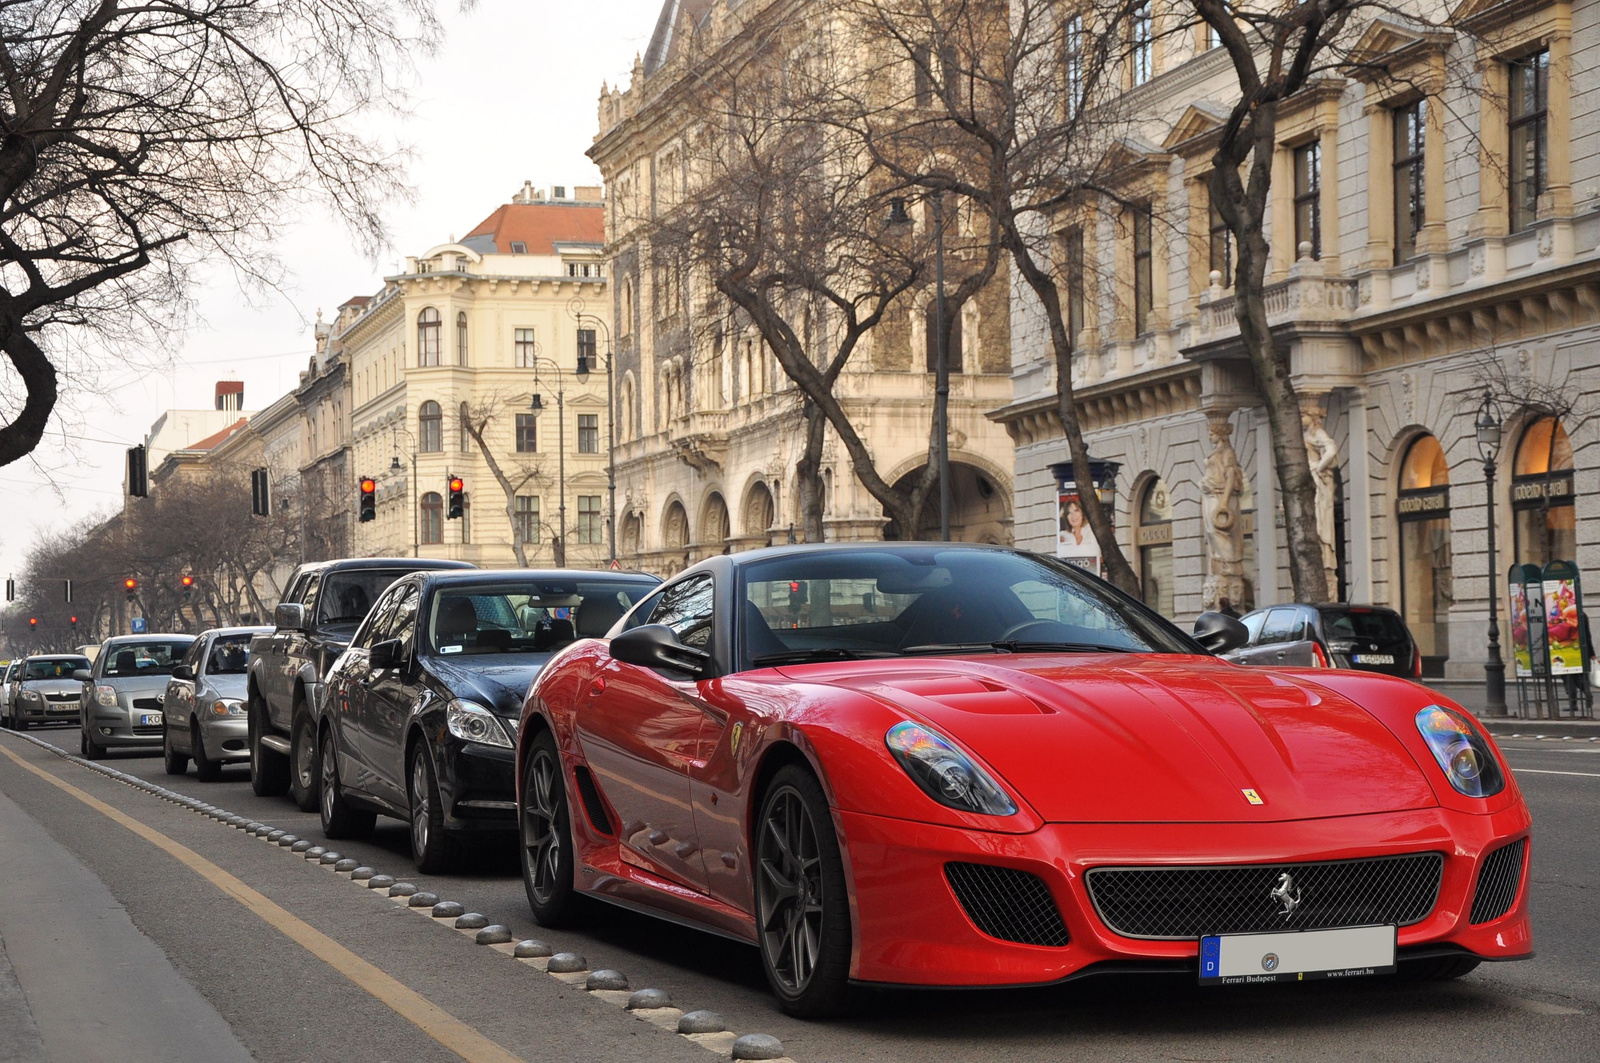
529,616
54,667
129,659
346,596
910,600
230,654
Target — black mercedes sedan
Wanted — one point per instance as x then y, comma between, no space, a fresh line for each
419,720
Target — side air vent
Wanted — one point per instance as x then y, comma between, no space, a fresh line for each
1498,879
592,804
1008,904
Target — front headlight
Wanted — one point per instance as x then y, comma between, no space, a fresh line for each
30,695
106,695
945,773
1463,755
474,723
224,707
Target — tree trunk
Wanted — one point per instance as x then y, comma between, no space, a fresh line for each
476,432
18,438
808,473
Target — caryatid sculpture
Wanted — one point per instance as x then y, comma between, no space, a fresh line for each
1322,453
1221,489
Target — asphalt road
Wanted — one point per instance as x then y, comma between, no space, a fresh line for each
165,935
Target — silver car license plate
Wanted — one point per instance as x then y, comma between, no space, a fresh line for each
149,719
1374,658
1295,955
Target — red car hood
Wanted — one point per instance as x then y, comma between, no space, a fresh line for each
1144,739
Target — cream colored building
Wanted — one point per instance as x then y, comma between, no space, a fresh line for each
709,427
477,328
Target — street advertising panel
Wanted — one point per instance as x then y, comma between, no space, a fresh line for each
1521,649
1529,579
1075,541
1563,600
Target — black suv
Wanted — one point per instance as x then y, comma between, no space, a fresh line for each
1371,638
314,621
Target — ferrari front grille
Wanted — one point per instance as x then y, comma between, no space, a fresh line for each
1191,902
1007,904
1498,880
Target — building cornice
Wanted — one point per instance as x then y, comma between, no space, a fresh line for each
1161,392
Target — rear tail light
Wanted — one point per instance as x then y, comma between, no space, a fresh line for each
1416,663
1319,659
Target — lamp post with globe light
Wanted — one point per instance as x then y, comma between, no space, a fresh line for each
1487,426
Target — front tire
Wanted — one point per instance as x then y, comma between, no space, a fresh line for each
91,749
206,769
304,775
269,770
175,763
340,819
432,847
802,911
545,829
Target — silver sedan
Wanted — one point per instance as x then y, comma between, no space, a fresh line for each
45,690
204,706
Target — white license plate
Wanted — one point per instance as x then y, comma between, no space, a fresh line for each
1234,959
1374,658
149,719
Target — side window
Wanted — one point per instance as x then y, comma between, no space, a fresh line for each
308,594
1280,627
1308,624
376,625
641,616
686,608
404,623
1252,624
194,656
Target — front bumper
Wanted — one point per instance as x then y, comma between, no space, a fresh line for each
118,726
477,785
44,710
911,929
226,738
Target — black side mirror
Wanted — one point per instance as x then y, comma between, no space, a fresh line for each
1219,633
182,671
82,675
289,616
386,654
657,646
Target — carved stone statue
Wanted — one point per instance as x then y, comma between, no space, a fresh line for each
1221,488
1323,455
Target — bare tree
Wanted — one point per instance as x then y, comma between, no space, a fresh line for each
478,421
139,140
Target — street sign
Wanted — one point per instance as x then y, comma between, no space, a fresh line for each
136,625
616,566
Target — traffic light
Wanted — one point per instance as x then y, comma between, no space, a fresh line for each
188,584
11,590
33,623
74,622
138,473
369,499
458,502
131,585
260,493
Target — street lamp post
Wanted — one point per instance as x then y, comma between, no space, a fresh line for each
576,309
1494,668
536,406
941,356
394,466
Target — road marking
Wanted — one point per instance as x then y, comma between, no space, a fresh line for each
1546,771
406,1002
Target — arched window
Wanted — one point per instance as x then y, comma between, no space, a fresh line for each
1422,505
430,428
627,307
431,528
428,337
675,526
1546,524
461,337
714,526
1153,534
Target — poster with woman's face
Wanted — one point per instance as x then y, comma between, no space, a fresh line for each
1075,541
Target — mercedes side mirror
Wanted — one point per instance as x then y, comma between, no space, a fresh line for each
1219,633
82,675
182,671
657,646
386,654
289,616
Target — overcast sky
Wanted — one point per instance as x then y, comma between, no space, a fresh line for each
510,97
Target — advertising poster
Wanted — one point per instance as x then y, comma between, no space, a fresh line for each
1529,581
1521,650
1562,602
1075,541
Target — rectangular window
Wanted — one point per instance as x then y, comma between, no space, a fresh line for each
1530,127
1074,286
1308,198
466,517
526,511
588,433
590,523
1143,269
588,357
1410,123
922,76
518,247
527,349
527,433
1142,45
1221,248
1072,62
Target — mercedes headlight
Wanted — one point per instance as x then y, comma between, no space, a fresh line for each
225,707
105,694
945,773
474,723
1462,753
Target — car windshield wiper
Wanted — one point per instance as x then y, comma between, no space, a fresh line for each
1013,646
820,653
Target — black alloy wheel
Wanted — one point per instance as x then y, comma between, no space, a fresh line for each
802,913
206,769
340,819
175,763
304,776
433,848
269,770
547,848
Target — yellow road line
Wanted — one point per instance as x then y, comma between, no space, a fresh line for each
410,1005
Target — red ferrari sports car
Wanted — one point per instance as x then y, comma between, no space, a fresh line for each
925,764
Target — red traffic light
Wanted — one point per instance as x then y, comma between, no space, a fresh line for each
368,485
187,581
33,621
74,621
130,584
456,483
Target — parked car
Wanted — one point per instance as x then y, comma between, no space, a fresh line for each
956,765
120,704
204,714
1368,638
421,710
7,680
313,624
44,689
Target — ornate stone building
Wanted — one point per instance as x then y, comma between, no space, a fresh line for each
1436,232
708,424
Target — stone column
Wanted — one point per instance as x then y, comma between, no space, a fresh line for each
1221,488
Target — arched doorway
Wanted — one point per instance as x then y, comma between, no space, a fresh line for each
759,511
714,526
1422,505
1545,523
979,508
675,526
1153,535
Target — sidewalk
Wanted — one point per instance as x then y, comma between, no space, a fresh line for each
1470,696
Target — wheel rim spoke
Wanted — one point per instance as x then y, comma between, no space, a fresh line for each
789,891
540,838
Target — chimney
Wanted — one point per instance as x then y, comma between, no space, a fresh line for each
230,395
528,194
